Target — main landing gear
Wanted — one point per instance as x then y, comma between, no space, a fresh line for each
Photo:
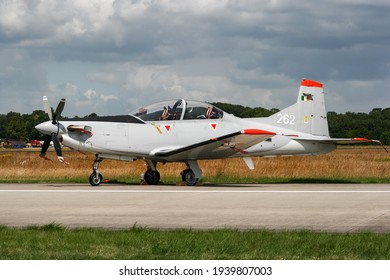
152,176
190,175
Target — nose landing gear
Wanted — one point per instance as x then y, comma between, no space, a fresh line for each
96,178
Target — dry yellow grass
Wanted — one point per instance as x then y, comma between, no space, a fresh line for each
357,163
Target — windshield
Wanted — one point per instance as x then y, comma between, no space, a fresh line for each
200,110
178,110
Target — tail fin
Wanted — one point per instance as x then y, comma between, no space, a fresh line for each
308,115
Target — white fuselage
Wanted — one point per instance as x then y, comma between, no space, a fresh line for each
138,140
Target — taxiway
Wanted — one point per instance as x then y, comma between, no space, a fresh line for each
318,207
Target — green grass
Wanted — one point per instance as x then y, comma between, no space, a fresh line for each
56,242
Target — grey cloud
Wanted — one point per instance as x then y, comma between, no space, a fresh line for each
249,52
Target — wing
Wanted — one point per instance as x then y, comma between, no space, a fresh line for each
220,147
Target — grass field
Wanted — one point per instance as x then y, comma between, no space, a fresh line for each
55,242
343,165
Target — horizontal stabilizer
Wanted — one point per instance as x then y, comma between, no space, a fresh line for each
343,141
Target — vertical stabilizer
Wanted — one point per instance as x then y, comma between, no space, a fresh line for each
308,115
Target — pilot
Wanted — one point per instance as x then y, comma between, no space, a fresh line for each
209,112
165,114
141,112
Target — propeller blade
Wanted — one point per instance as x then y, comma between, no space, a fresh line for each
59,109
57,145
46,107
45,146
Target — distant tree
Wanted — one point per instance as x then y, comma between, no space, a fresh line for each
32,120
374,125
3,125
16,127
245,112
92,115
385,138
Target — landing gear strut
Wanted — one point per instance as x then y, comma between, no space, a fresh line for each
96,178
152,176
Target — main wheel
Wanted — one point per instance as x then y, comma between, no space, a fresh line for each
95,179
152,177
188,176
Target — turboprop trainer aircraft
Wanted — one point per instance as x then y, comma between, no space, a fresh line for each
188,131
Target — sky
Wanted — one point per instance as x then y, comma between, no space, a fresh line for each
112,56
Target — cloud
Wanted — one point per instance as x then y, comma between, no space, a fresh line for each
90,93
240,51
106,98
81,103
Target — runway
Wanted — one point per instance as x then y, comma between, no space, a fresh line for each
318,207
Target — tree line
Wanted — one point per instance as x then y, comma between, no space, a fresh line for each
373,125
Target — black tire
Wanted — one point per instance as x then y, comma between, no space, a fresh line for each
95,179
188,176
152,177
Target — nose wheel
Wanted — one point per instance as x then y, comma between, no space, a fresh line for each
96,178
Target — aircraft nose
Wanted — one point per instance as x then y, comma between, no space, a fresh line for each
47,128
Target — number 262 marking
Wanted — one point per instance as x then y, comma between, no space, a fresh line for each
286,119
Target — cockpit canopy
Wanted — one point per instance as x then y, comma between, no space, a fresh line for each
178,110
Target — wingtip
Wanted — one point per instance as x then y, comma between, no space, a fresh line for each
360,139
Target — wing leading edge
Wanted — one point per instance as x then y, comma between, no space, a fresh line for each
218,147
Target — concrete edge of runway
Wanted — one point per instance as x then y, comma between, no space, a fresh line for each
281,207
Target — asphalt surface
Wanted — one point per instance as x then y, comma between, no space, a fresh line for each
318,207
